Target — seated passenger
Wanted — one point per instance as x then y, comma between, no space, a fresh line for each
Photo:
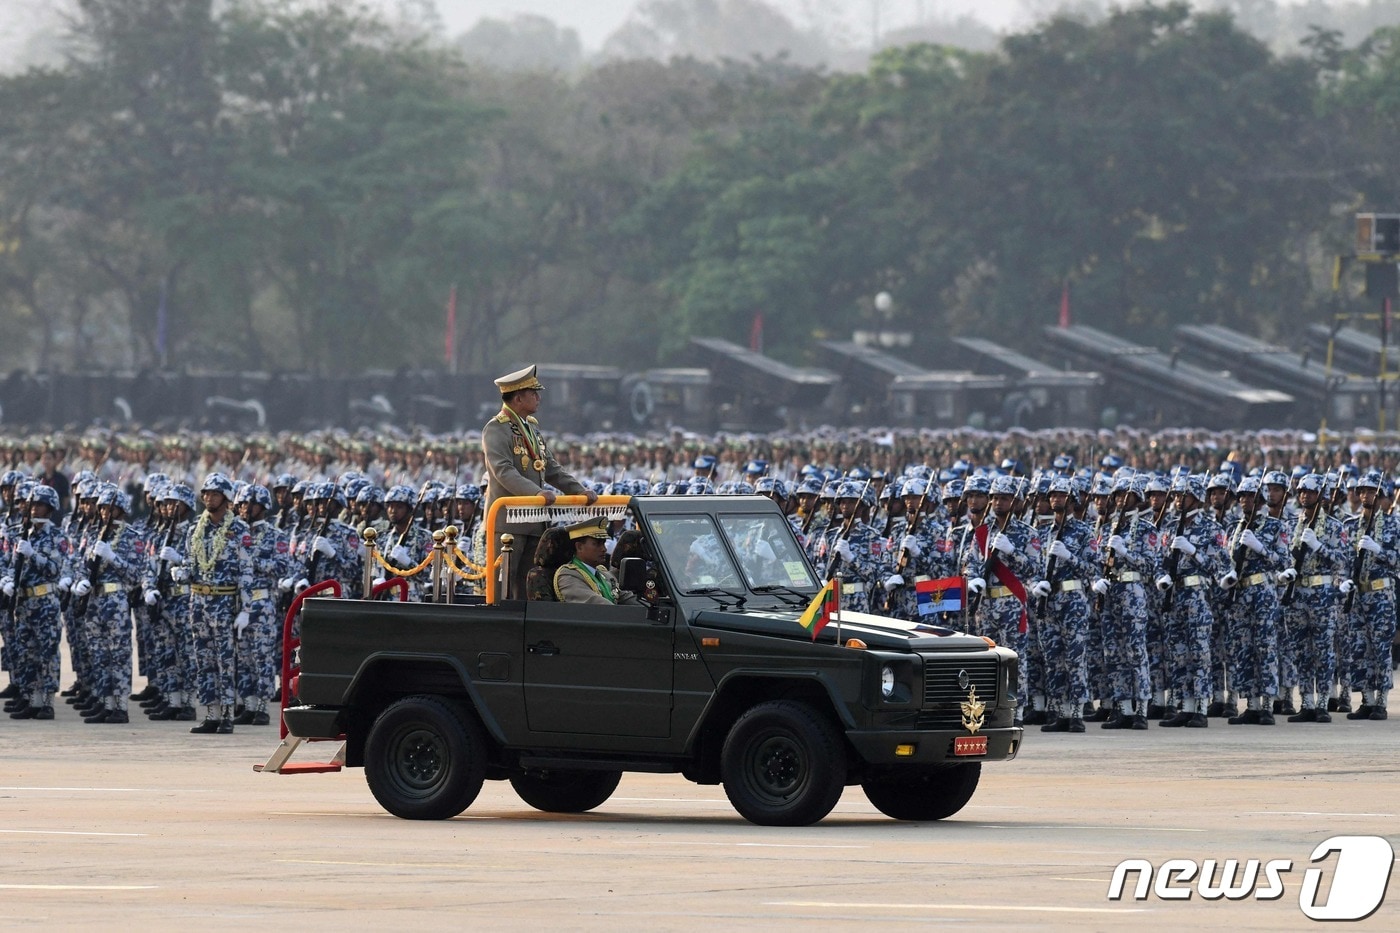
554,550
585,578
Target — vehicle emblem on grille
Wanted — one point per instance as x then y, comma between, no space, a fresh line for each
963,679
973,710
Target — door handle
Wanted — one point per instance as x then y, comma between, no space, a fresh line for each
543,648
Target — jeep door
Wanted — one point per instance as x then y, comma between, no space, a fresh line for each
598,670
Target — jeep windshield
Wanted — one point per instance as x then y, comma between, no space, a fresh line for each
740,550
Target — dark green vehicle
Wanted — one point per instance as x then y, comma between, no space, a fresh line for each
715,680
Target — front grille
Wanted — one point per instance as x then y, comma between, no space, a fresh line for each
943,697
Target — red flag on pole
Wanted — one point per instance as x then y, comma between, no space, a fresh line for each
756,333
450,349
1064,305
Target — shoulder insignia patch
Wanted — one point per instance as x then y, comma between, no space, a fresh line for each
502,418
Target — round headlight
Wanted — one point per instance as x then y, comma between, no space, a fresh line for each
887,681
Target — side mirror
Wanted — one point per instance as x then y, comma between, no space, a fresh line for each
632,574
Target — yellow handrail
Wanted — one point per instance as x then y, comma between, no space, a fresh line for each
560,502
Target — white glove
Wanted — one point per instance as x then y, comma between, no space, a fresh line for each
170,555
301,584
1100,586
179,574
82,588
377,581
152,597
976,585
1230,579
1119,546
892,581
1346,586
1250,540
285,584
7,586
610,545
24,548
1287,576
843,549
241,621
398,555
1164,582
1040,588
1310,539
1059,551
65,584
1003,544
323,546
1183,544
1370,544
104,550
911,544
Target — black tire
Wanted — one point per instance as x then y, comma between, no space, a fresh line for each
425,758
932,793
565,791
783,764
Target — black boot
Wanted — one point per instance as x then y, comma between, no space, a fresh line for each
244,718
1322,716
1199,721
1249,717
117,717
225,726
1377,714
1117,720
1307,714
1216,709
1361,712
99,716
9,692
208,727
1061,724
1177,721
149,692
1099,715
1266,718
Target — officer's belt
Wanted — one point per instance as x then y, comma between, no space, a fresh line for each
1069,586
1255,579
1380,583
1194,579
1321,579
999,592
1128,576
110,587
201,589
261,594
182,589
34,592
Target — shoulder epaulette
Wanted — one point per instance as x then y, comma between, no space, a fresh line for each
502,417
531,419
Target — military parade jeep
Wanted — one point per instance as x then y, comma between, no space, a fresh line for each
715,680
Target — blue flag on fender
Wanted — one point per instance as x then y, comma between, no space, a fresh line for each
942,595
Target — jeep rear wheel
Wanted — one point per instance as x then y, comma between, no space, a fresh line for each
565,791
425,758
783,764
931,793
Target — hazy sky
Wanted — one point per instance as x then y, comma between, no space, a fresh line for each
595,20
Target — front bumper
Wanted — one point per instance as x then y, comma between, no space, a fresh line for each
934,746
313,722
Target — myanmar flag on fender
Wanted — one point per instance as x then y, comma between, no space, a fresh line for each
826,603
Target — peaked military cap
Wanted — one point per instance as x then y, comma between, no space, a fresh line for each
520,379
596,527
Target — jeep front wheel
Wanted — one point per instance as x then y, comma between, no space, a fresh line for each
932,793
425,758
783,764
565,791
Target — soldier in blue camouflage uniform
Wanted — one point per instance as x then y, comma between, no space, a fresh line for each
36,561
1374,535
329,548
1200,543
174,664
11,530
259,645
918,544
407,542
110,568
1064,623
1310,623
1258,545
1005,551
848,546
1130,555
219,568
146,531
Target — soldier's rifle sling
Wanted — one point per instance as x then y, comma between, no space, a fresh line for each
1358,560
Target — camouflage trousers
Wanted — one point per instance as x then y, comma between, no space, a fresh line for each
1250,640
34,649
1158,662
1189,627
108,627
211,624
1311,629
1125,659
260,651
172,647
1000,620
1064,640
1372,628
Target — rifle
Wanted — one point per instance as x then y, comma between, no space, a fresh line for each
17,574
911,528
1239,554
1110,562
1300,550
990,559
1358,561
835,563
1174,559
1051,561
94,564
312,567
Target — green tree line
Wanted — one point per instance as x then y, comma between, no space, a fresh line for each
301,185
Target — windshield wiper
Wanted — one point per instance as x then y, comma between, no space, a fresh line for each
714,592
780,589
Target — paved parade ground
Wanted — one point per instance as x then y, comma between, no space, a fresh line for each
147,827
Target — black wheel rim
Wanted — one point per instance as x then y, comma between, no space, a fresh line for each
776,766
418,761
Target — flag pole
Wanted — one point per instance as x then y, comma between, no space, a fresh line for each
836,593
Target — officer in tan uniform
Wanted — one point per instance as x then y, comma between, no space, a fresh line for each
519,463
586,579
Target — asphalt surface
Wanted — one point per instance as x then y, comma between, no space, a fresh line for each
148,827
